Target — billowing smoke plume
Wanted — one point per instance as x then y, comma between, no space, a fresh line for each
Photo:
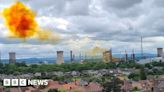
21,23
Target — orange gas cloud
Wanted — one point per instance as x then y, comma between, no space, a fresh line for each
21,23
20,20
95,50
46,35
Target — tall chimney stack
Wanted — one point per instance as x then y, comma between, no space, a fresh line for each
71,56
126,56
159,52
133,55
12,58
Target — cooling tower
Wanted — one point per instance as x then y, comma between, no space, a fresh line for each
12,58
60,58
159,52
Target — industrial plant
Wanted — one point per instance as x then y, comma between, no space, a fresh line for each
106,57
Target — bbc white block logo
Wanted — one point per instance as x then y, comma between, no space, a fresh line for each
14,82
24,82
6,82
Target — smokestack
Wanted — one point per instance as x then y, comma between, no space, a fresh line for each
12,58
133,55
60,58
71,56
159,52
126,56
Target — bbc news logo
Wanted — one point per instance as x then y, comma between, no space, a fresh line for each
24,82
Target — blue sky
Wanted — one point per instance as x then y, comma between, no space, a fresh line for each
84,24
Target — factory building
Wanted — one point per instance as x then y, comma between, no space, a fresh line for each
107,56
159,57
12,58
133,57
60,58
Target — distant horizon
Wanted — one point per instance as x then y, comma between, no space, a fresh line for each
51,57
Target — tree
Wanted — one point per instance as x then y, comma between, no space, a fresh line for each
148,65
113,86
134,76
135,89
53,90
143,75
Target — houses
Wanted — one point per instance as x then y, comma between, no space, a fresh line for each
75,73
23,76
37,74
127,86
159,85
75,86
150,85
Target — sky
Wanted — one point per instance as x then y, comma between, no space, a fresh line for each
84,24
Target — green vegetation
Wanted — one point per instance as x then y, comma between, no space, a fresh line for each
143,75
138,75
135,89
129,64
155,68
20,68
113,86
134,76
53,90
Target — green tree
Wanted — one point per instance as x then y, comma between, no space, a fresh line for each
53,90
148,65
135,89
143,75
134,76
113,86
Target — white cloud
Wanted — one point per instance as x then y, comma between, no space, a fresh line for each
116,24
53,22
78,44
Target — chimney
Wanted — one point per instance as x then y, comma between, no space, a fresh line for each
133,56
159,52
71,56
126,56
